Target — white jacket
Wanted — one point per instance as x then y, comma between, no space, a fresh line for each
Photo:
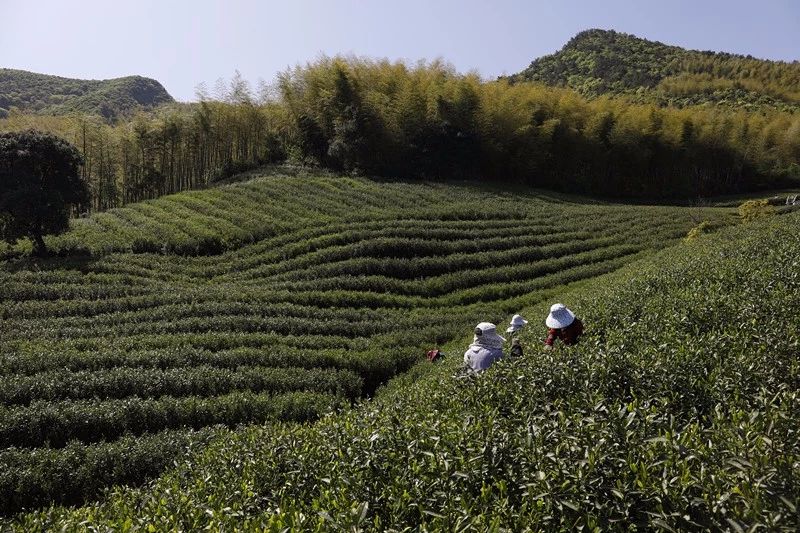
479,358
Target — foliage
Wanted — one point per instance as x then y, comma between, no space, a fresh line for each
599,62
39,184
754,209
678,411
55,424
700,229
318,290
171,149
284,209
78,472
427,121
53,95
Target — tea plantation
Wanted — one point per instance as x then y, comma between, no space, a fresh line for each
284,298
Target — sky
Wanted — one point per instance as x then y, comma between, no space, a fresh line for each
182,43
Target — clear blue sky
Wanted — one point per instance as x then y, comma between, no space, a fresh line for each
182,43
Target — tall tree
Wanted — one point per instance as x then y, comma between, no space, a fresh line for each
39,184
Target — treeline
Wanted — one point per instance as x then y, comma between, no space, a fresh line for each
175,148
427,121
774,78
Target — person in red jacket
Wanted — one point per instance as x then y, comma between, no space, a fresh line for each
562,324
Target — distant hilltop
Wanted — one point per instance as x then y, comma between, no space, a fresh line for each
605,62
53,95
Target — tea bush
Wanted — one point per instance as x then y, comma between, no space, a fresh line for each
273,299
700,229
754,209
678,410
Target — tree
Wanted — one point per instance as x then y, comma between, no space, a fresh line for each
346,142
39,184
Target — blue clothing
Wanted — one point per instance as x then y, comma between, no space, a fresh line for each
479,358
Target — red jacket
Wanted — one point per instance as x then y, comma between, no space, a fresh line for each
568,335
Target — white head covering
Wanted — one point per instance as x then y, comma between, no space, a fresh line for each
559,317
517,322
486,336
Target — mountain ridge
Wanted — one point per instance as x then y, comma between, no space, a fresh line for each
600,62
113,98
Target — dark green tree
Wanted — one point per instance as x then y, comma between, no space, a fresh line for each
39,184
347,149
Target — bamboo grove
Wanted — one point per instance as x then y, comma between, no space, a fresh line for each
425,120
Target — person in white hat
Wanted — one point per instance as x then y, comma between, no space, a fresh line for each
562,324
486,347
517,323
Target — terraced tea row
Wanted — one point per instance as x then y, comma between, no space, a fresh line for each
123,382
78,472
67,357
341,285
102,277
678,410
227,217
57,423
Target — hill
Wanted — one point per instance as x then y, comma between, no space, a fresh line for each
53,95
600,62
678,410
279,298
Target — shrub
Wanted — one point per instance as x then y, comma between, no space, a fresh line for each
678,411
755,209
314,291
700,229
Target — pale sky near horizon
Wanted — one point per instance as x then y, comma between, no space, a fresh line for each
182,42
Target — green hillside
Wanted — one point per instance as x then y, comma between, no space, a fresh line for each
678,410
600,62
274,299
53,95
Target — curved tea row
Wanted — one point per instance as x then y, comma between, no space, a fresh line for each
277,299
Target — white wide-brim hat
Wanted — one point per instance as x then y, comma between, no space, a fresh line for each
517,322
487,330
559,317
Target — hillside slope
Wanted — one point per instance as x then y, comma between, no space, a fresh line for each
278,298
678,411
53,95
600,62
